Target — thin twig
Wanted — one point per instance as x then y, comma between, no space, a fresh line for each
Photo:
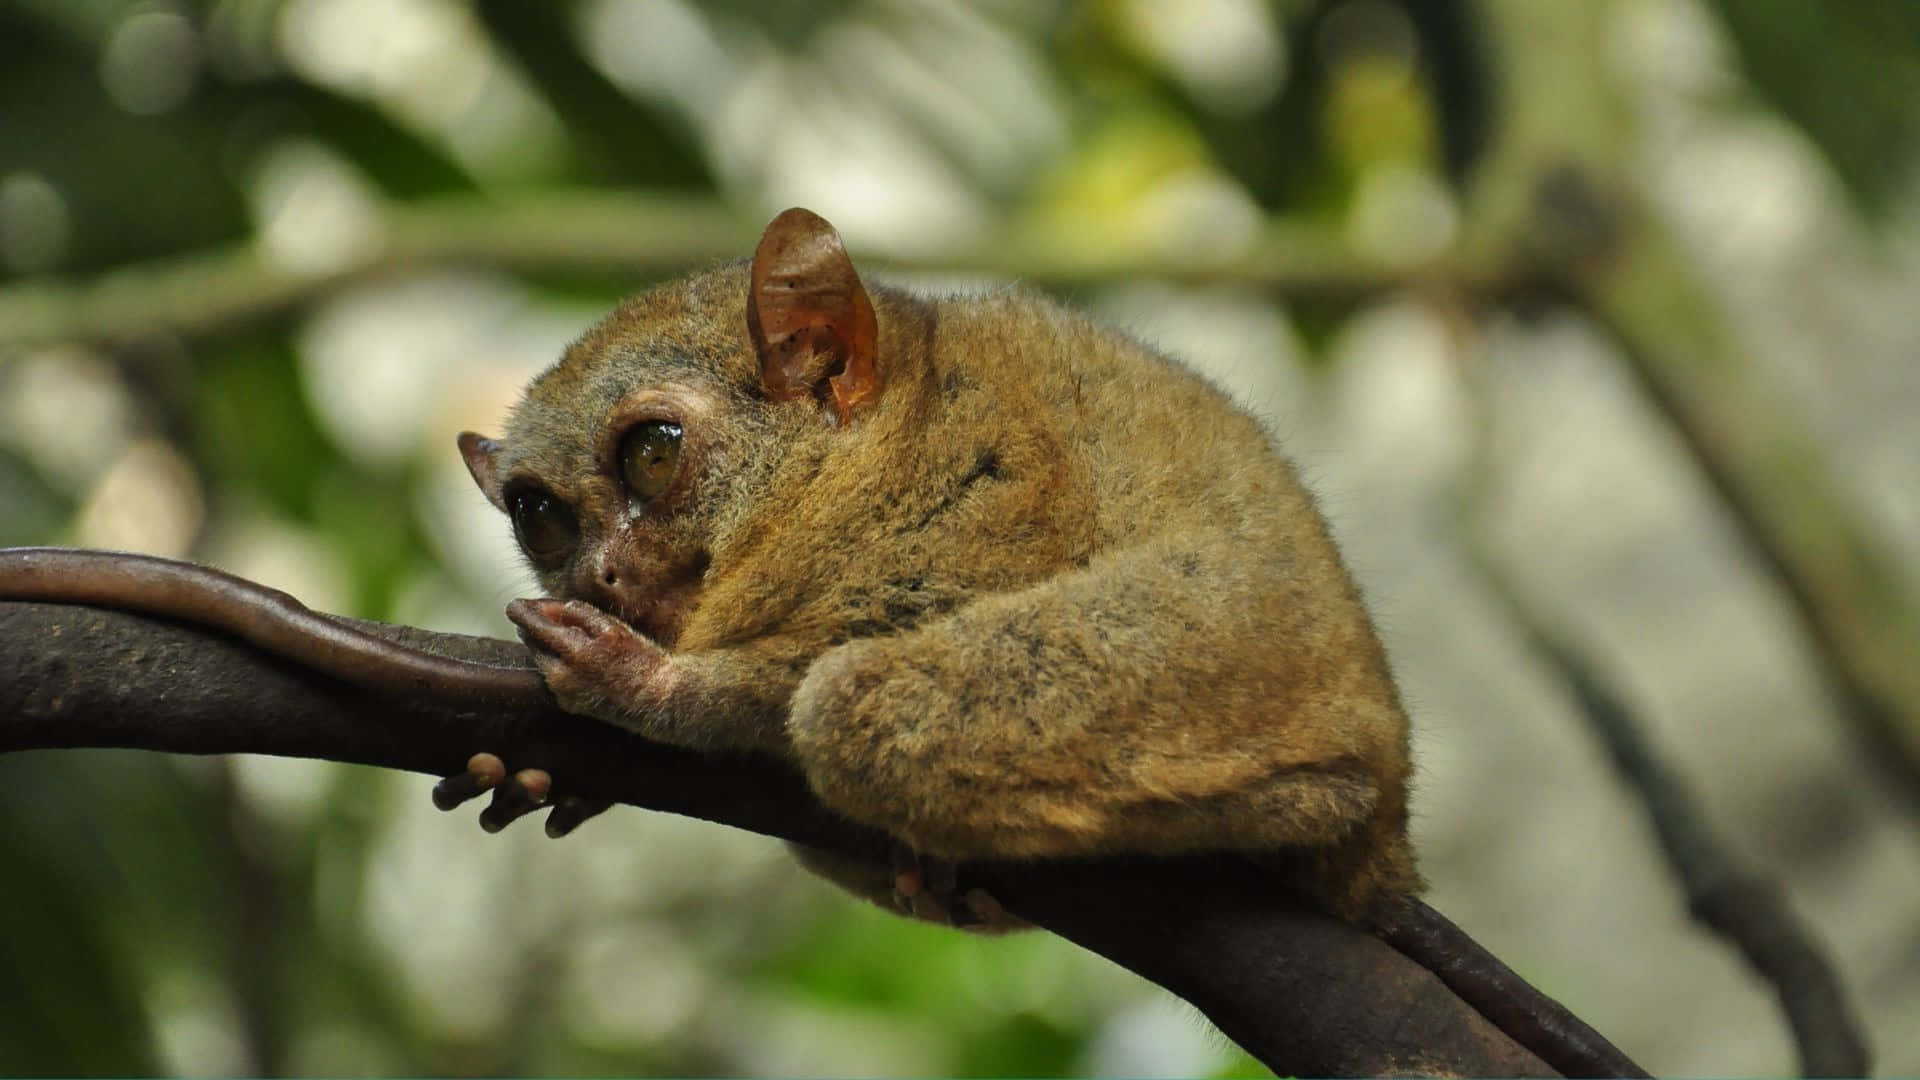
1556,203
196,294
1861,620
1727,897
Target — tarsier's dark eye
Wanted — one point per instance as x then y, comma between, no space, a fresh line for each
649,458
544,525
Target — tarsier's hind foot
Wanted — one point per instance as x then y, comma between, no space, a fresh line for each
515,796
930,890
922,888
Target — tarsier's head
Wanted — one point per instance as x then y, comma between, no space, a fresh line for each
627,460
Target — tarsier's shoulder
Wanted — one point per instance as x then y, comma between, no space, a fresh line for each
1157,438
1023,342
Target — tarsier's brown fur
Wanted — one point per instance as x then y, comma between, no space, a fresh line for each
1042,592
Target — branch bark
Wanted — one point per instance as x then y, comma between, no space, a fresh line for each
1305,994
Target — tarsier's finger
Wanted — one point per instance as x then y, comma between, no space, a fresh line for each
569,813
540,630
483,772
516,797
594,620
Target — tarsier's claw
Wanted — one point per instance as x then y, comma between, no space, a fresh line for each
516,797
483,772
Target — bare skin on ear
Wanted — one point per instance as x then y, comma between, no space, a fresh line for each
478,452
809,316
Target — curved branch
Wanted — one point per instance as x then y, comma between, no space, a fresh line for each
1750,911
209,291
1555,196
1305,994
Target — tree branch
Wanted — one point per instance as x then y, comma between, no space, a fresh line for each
1860,615
1305,994
201,293
1555,204
1732,900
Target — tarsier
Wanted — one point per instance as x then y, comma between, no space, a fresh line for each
1001,582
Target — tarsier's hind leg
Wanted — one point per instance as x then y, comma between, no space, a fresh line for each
1115,708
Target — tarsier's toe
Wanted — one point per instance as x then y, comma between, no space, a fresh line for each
483,772
571,812
550,626
987,912
516,797
913,897
928,889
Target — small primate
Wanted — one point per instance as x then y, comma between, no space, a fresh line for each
1002,582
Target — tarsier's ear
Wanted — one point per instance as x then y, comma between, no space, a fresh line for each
812,324
482,454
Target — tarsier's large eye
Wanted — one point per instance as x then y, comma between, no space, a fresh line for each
649,458
543,523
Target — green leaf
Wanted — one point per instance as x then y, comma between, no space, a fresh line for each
1848,74
253,431
31,511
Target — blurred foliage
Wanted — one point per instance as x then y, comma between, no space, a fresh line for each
165,915
1847,74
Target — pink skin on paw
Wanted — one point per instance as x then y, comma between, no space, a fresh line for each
516,797
536,783
486,769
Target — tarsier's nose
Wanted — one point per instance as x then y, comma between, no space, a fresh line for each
608,580
621,587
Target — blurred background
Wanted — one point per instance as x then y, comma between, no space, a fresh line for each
1614,297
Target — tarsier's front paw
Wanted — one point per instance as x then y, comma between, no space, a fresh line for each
514,796
593,662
